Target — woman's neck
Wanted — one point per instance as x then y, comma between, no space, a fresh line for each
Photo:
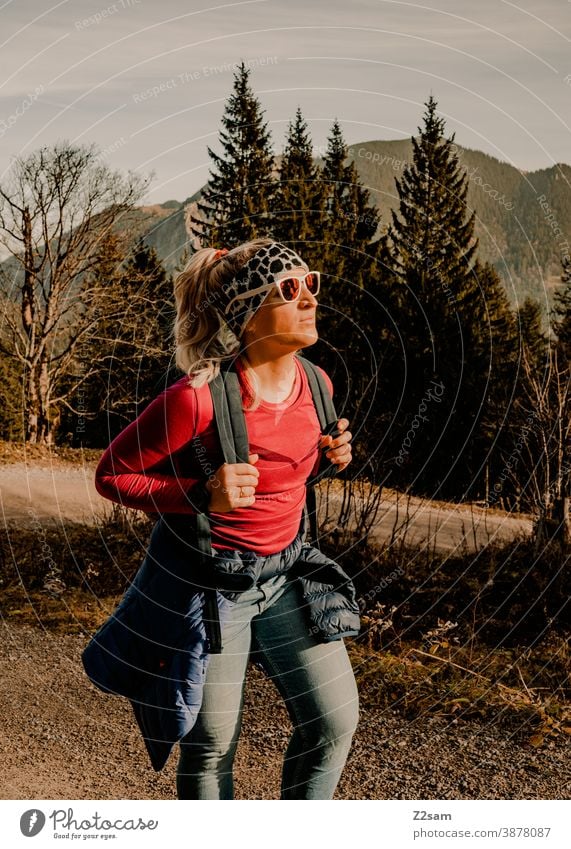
275,378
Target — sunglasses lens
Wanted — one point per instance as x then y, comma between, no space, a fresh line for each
312,282
290,288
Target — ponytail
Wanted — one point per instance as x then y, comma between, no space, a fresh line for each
203,339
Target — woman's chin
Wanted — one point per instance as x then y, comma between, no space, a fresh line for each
309,333
299,339
307,339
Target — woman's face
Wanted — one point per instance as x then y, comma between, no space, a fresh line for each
286,326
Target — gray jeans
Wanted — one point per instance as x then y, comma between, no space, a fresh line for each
315,679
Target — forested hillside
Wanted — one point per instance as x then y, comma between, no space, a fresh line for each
523,219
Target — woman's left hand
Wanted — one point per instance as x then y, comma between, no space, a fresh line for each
338,449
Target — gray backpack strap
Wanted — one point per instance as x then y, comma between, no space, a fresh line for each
325,413
229,416
230,424
210,613
321,396
328,421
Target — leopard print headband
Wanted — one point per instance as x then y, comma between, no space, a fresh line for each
248,288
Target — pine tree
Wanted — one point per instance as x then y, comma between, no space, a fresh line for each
183,260
82,419
431,248
148,330
533,340
562,311
494,347
299,202
351,221
562,327
540,420
491,336
132,340
351,319
240,193
432,242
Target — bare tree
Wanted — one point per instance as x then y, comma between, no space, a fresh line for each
349,507
540,465
57,206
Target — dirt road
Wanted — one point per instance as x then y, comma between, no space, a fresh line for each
65,493
64,739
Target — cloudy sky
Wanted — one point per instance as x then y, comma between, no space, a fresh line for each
148,80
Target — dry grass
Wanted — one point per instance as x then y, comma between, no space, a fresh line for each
21,452
74,612
449,682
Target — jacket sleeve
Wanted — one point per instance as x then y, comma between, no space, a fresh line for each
125,471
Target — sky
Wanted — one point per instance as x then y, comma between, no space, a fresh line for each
147,80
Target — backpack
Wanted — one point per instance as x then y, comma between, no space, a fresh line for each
232,432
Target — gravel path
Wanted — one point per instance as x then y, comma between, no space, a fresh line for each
64,739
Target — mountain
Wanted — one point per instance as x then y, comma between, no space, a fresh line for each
169,231
523,219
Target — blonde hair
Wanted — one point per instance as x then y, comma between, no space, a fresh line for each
203,339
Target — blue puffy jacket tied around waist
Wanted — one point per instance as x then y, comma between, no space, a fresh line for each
154,648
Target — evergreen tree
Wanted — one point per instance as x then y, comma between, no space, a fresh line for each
562,328
530,415
432,243
533,340
494,338
431,249
494,347
351,221
240,193
154,287
540,421
562,311
299,203
132,342
350,261
87,378
183,260
143,350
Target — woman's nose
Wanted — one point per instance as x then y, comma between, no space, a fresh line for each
306,295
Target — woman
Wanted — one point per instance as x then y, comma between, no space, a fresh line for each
256,305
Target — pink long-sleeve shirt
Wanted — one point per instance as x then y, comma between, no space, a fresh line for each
152,466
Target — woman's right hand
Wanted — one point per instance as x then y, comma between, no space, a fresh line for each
233,485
